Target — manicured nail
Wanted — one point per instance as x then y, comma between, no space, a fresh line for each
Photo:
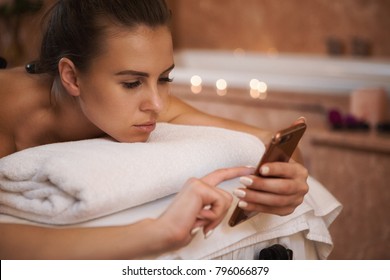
195,230
207,207
239,193
246,181
209,233
242,204
264,170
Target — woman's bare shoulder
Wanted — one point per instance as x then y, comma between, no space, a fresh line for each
10,94
8,110
20,90
11,80
17,99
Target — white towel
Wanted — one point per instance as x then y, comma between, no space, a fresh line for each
73,182
310,222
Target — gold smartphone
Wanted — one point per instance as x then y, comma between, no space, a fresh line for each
281,148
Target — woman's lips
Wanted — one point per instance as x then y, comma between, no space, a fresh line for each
146,127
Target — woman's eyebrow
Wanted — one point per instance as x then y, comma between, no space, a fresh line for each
169,69
142,74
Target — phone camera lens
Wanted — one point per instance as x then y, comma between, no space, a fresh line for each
286,138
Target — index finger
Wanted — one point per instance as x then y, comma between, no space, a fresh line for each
224,174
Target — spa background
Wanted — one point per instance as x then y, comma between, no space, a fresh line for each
267,62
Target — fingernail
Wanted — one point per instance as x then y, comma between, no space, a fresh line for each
246,181
207,207
264,170
239,193
242,204
195,230
302,118
209,233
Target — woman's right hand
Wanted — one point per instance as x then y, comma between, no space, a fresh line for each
200,204
144,239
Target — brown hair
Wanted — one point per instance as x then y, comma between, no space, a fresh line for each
74,28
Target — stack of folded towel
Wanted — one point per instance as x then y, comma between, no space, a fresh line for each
72,182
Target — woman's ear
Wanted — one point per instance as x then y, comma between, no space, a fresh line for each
68,75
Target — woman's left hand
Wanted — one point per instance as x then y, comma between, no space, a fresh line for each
280,189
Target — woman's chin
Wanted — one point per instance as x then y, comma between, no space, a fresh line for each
141,138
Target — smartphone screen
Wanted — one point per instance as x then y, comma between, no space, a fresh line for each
281,148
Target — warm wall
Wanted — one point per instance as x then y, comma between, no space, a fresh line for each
292,26
29,37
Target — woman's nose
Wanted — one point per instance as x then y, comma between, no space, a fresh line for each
153,101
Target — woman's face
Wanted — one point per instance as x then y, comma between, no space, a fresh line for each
127,86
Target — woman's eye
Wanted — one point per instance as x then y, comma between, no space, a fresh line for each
166,80
132,85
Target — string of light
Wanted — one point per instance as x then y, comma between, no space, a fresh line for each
257,89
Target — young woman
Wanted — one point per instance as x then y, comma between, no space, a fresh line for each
104,69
